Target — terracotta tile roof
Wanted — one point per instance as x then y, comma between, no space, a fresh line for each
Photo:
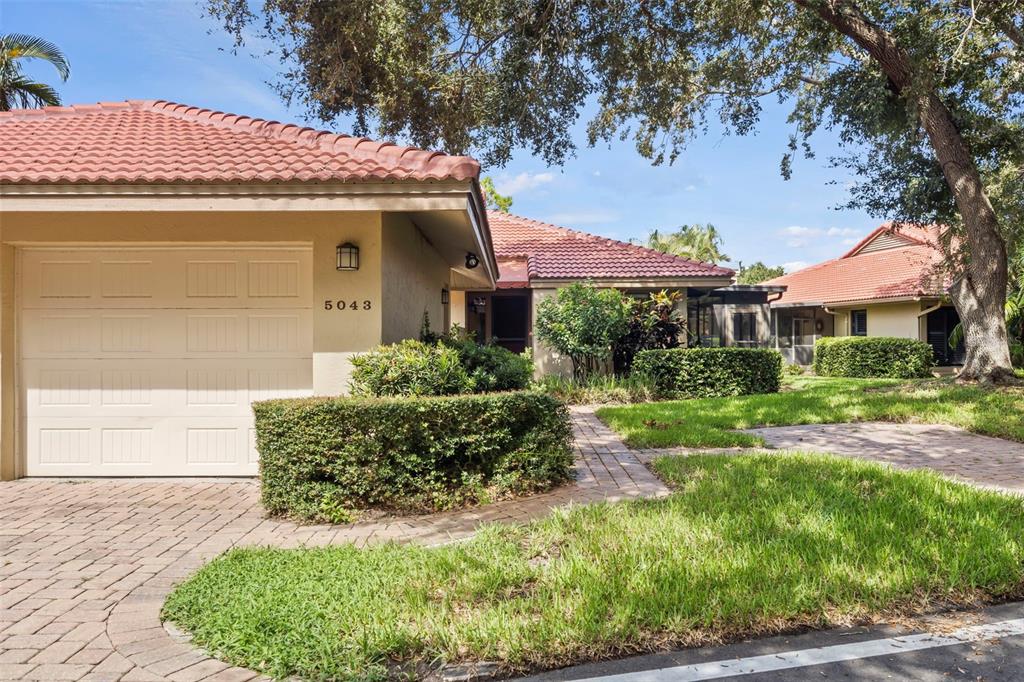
157,142
553,252
906,271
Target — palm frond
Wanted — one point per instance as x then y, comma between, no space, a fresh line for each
18,92
20,46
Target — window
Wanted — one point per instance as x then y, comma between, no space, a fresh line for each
858,323
744,329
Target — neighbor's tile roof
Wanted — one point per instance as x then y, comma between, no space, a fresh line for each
553,252
901,272
156,142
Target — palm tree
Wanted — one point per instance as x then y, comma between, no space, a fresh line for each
17,91
699,242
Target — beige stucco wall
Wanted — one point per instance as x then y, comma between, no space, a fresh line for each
412,277
885,319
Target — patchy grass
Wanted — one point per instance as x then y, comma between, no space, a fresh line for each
814,400
746,545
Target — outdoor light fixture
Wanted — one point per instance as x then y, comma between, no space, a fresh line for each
444,297
348,256
472,261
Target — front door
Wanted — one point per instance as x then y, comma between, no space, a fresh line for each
803,340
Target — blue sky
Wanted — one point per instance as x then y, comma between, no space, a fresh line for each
166,49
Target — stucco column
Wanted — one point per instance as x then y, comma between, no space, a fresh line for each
8,463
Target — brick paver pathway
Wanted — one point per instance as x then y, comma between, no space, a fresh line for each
980,460
85,565
984,461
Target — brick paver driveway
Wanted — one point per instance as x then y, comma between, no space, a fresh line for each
85,565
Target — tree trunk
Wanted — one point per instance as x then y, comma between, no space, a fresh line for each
979,291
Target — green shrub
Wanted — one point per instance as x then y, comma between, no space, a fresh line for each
321,458
793,370
447,366
881,357
490,367
409,368
710,372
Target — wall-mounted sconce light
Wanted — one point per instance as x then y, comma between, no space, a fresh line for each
444,297
348,256
472,261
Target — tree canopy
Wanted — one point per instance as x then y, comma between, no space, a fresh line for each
927,95
697,242
758,272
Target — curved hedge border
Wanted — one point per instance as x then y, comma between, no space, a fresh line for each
322,458
883,357
710,372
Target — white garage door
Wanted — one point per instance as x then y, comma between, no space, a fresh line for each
144,362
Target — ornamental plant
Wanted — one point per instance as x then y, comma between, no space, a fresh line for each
583,323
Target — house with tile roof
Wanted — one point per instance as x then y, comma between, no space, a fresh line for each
891,283
162,266
535,259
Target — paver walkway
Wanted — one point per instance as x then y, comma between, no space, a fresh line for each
980,460
85,565
984,461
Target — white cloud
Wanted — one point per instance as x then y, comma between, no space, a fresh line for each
799,231
850,242
597,174
841,232
794,265
800,236
522,182
572,218
691,188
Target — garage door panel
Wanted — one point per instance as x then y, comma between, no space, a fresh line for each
140,388
167,278
147,361
185,334
90,446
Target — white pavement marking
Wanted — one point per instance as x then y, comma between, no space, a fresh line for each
817,656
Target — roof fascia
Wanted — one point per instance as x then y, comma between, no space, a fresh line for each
395,196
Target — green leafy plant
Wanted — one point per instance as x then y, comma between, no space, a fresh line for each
872,357
654,322
583,323
321,458
409,368
710,372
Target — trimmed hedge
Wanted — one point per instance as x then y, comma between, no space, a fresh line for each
323,458
883,357
710,372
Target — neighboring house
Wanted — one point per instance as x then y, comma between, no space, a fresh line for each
163,266
889,284
535,259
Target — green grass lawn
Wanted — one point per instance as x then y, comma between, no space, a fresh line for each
746,545
812,400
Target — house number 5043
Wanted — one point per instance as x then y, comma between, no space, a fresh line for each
348,305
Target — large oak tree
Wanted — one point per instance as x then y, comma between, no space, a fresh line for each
926,95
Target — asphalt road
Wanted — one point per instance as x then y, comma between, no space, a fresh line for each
986,645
